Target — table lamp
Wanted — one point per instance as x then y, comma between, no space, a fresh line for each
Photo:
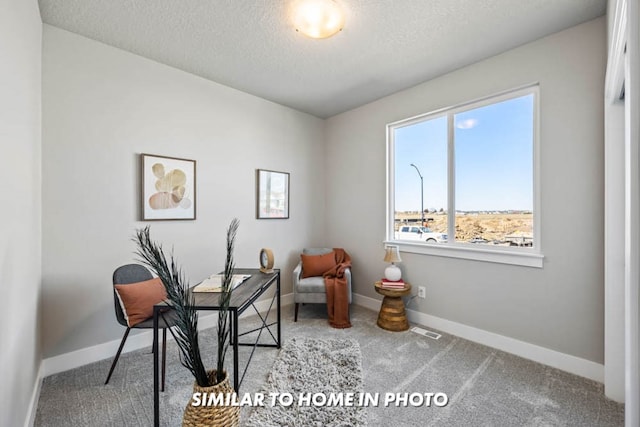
392,255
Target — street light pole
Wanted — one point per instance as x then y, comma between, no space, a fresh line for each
421,195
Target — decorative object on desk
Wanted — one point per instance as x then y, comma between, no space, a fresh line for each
266,260
168,188
215,282
272,194
306,366
392,255
186,334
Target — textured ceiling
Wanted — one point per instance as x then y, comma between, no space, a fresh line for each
386,45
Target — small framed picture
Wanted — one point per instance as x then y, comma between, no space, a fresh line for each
168,188
272,198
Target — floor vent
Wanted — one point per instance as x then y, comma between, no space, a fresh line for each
426,333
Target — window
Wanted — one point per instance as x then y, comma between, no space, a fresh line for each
462,180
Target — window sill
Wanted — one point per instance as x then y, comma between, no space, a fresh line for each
524,257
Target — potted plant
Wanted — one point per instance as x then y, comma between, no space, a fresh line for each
186,330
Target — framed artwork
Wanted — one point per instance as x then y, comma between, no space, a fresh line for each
168,188
272,198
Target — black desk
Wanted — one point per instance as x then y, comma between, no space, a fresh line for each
243,297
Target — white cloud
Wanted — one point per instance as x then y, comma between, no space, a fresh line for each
467,124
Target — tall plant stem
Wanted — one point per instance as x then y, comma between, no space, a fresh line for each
181,300
224,300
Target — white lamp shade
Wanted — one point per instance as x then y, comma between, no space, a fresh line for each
392,254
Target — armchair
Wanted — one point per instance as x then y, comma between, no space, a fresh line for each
312,289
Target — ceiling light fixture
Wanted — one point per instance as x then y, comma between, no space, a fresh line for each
317,19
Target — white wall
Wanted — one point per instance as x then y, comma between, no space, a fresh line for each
632,216
20,265
614,202
614,251
559,307
101,108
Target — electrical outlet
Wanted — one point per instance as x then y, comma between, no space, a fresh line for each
422,292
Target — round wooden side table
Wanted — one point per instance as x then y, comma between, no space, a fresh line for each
393,316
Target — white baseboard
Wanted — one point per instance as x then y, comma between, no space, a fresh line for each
33,402
572,364
135,341
565,362
84,356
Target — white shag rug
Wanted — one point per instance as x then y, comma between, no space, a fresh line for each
311,370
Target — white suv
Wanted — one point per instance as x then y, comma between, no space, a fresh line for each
414,232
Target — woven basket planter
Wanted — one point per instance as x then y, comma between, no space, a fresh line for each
210,416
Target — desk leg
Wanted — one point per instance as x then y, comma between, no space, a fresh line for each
278,306
234,323
156,394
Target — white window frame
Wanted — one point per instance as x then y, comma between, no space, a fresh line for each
528,257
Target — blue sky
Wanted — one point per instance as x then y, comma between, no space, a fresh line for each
493,158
